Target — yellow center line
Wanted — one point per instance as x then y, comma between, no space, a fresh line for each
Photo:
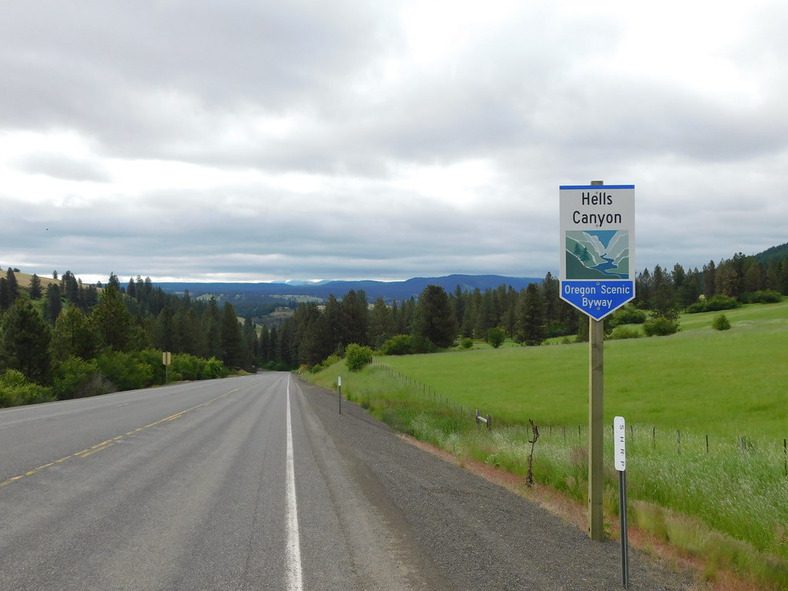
89,451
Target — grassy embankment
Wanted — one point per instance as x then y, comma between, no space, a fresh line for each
725,501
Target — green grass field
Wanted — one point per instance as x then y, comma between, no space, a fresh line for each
729,383
725,501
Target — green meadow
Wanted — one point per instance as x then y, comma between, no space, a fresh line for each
707,416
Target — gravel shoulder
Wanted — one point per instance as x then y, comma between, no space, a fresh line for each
457,530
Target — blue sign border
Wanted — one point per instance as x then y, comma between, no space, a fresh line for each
595,187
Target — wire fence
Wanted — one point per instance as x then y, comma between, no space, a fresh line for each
641,438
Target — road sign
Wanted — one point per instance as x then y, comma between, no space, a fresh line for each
619,443
597,247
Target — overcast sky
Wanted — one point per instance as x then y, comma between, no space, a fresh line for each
240,140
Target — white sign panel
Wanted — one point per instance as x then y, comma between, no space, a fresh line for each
597,247
619,443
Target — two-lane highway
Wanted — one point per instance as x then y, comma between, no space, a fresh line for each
258,483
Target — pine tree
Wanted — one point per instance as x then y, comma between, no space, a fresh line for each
530,316
25,343
53,303
381,326
434,318
13,286
232,344
112,320
35,287
5,295
73,335
355,317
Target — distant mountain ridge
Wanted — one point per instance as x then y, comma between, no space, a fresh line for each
388,290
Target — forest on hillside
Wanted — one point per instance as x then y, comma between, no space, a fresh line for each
62,339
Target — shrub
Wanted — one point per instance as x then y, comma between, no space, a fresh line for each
152,358
422,344
766,296
186,367
401,344
713,304
629,314
625,332
331,360
357,356
496,337
125,370
77,378
466,343
660,326
721,322
213,368
16,389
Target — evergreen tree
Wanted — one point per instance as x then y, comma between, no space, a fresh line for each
754,277
70,287
35,287
264,355
213,329
663,297
381,325
5,295
530,316
114,281
550,296
249,337
53,303
709,279
354,318
13,286
232,343
333,324
112,320
485,317
311,339
73,335
434,318
643,289
25,342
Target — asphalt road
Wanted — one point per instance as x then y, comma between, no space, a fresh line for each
258,483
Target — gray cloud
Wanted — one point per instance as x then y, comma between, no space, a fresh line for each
313,123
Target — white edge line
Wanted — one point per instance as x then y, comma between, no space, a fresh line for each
294,582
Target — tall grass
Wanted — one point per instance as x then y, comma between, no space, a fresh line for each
706,415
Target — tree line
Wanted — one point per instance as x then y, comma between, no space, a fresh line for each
66,339
436,319
71,339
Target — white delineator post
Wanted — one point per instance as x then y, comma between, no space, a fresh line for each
620,458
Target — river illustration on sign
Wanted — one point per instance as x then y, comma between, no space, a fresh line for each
597,254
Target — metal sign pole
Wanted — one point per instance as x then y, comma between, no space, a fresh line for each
622,492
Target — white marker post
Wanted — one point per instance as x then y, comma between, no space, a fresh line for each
339,392
620,458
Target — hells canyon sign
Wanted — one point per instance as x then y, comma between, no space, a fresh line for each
597,247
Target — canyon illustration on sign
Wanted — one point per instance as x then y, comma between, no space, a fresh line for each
597,247
597,254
